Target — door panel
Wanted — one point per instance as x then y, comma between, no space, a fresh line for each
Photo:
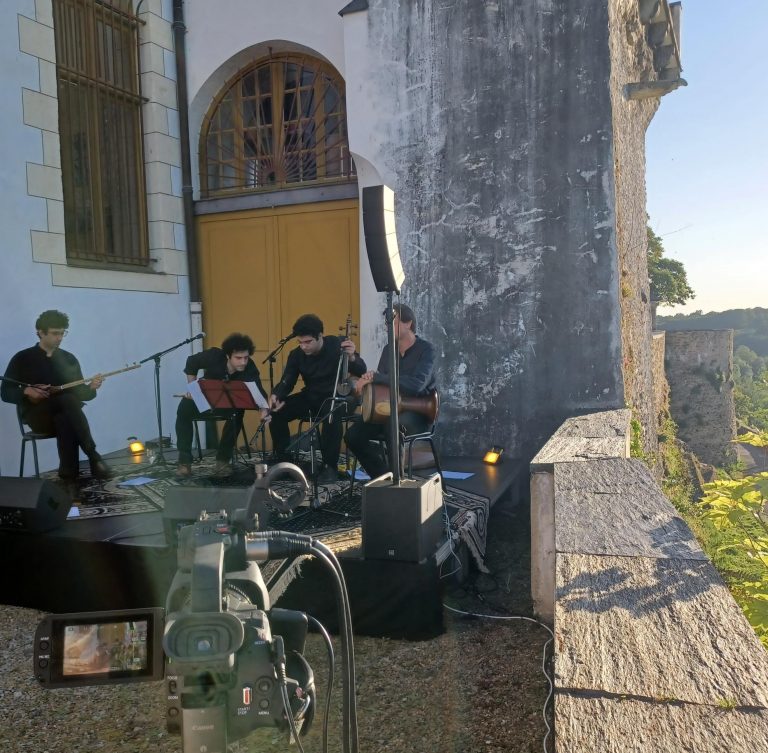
262,269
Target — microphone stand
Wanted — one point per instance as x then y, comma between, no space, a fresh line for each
315,503
271,358
156,358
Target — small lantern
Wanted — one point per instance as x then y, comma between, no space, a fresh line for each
135,446
493,456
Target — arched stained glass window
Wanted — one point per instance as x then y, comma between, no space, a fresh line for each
280,123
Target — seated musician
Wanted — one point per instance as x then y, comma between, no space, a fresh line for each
316,361
230,362
47,411
417,378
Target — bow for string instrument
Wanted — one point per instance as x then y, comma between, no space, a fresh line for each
345,385
56,388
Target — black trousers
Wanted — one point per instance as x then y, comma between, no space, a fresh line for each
62,415
370,455
187,412
301,405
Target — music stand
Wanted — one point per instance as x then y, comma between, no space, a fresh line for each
226,395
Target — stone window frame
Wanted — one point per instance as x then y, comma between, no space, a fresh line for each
293,148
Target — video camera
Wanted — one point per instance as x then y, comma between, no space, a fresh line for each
232,664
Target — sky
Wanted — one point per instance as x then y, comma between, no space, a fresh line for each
707,157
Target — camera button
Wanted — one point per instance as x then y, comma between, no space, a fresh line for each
264,704
44,645
43,663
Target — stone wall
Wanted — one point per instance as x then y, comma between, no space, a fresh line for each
631,61
496,132
649,645
659,377
699,369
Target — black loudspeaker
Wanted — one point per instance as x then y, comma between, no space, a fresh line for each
32,505
183,505
402,523
381,239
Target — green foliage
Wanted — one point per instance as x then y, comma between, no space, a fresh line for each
676,484
750,326
669,281
736,509
750,376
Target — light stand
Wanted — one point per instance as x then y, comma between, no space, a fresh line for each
156,358
394,394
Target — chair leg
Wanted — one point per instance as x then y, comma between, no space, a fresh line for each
34,455
21,463
352,477
197,441
437,463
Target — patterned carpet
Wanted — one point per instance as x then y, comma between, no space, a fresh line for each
138,488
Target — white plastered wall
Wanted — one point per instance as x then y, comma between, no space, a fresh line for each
115,317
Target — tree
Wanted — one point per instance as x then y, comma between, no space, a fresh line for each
669,282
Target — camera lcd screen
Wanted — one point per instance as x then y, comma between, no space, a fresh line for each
105,648
98,648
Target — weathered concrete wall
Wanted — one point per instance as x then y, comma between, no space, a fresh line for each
659,377
495,130
699,369
631,61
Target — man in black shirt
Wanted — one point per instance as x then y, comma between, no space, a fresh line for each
48,411
316,361
230,362
416,378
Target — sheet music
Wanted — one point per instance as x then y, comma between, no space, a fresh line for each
202,404
197,396
258,398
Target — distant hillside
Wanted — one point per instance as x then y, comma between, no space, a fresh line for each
750,325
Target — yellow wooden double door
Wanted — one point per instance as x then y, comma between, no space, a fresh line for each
262,269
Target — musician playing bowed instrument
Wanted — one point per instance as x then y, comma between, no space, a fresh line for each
416,378
316,361
48,411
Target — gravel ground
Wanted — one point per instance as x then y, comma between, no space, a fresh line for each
476,688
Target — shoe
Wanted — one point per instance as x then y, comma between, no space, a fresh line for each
222,469
183,470
329,475
68,476
100,470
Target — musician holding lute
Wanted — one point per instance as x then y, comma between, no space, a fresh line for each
46,381
416,380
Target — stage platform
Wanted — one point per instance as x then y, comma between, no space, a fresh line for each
115,555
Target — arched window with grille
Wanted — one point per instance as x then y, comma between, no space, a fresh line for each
278,123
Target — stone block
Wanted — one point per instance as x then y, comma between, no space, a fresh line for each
158,177
161,148
615,507
48,81
55,216
156,30
155,118
44,12
163,206
152,58
654,628
51,149
628,725
36,39
44,181
49,247
158,88
108,279
40,110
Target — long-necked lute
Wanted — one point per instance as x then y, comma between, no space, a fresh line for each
56,388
